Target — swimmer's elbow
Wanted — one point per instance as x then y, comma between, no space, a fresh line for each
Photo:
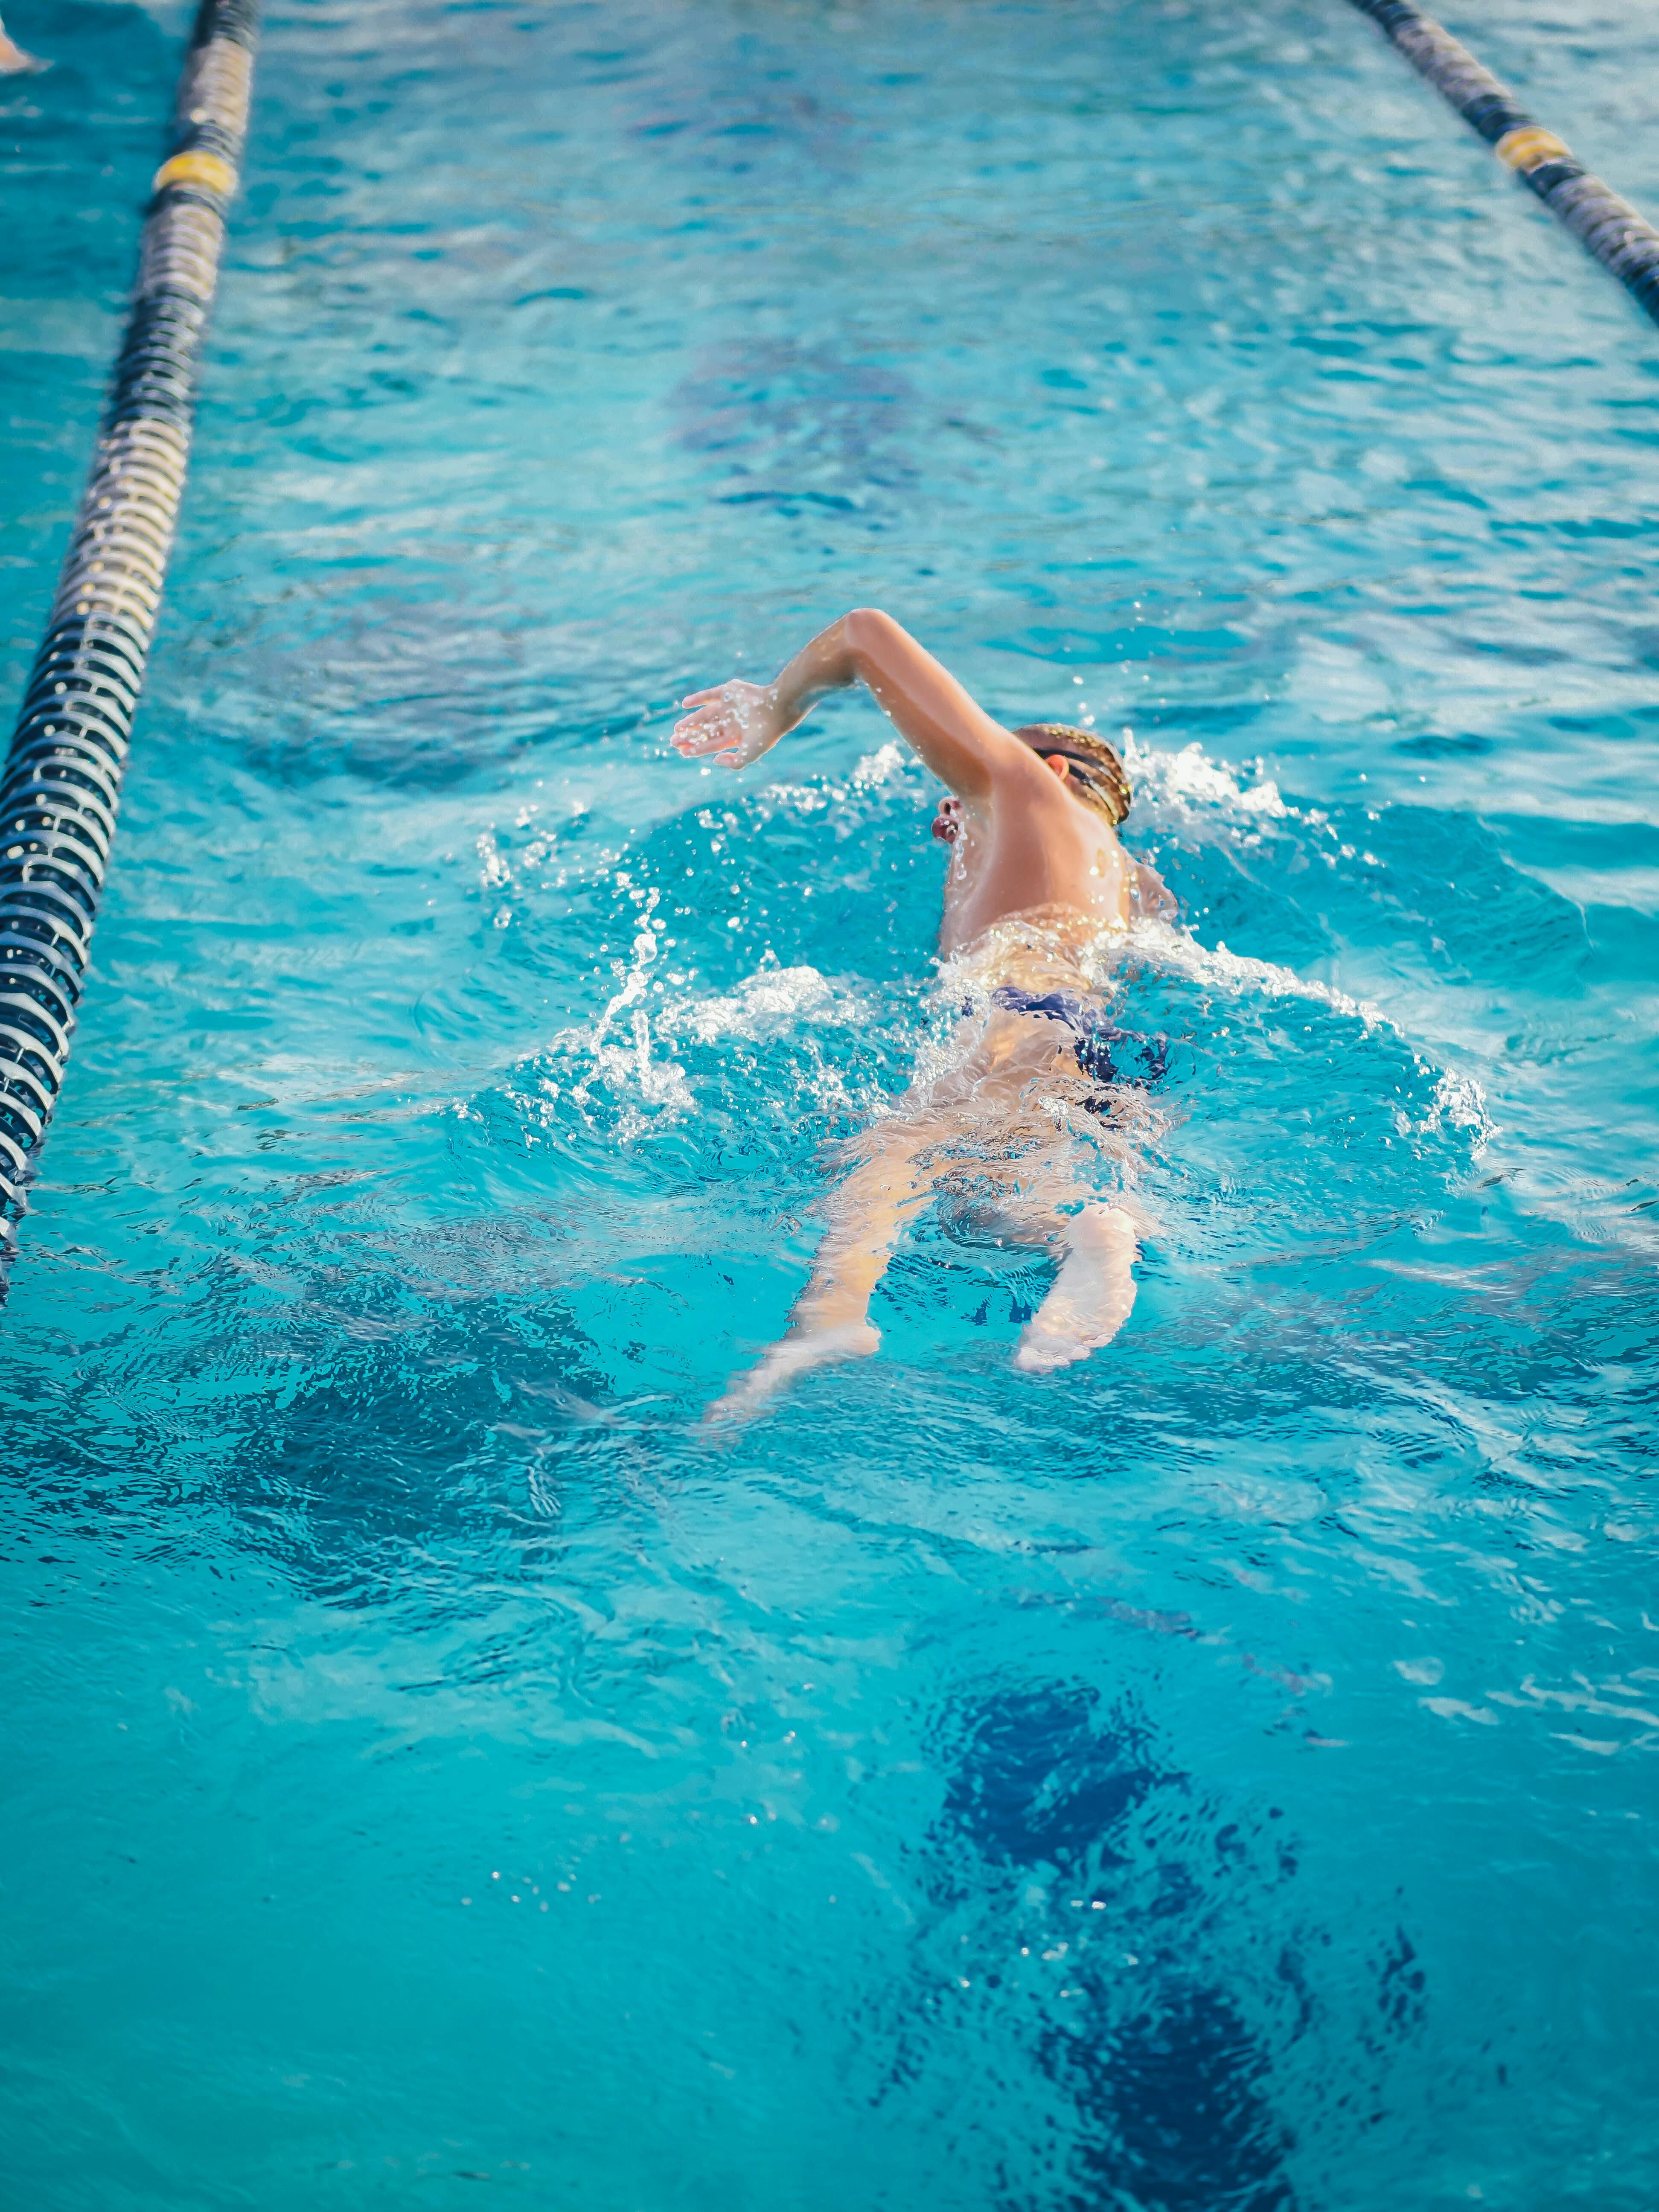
872,621
869,632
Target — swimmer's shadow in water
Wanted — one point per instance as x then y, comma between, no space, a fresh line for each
1057,1808
1144,1926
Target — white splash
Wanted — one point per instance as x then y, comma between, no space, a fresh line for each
887,764
496,873
1189,780
629,1067
1459,1100
1238,973
762,1004
892,764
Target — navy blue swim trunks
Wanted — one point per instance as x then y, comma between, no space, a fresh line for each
1102,1050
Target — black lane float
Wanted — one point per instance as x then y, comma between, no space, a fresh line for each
61,781
1608,226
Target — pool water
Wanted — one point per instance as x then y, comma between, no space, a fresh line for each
1220,1778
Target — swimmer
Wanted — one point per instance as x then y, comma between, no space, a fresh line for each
1036,884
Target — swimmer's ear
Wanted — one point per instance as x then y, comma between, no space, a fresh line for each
1060,766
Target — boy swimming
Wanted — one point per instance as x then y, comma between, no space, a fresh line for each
1037,888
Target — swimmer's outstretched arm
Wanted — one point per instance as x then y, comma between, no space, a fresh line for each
736,722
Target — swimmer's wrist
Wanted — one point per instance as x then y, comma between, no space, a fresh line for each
788,705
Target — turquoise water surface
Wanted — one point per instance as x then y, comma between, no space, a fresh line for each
1220,1778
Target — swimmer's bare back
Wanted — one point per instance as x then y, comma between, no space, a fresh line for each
1021,839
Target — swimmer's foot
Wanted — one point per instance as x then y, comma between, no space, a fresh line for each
794,1354
13,61
1091,1295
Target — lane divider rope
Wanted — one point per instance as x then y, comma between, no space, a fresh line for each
1608,227
61,786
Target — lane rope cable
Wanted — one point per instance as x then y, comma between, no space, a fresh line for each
61,781
1606,226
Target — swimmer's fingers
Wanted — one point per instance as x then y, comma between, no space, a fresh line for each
706,732
737,723
736,696
691,742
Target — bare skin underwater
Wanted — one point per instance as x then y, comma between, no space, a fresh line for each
1038,886
13,61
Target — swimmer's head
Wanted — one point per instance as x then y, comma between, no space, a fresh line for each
1095,774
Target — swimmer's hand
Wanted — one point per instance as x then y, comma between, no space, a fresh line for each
736,722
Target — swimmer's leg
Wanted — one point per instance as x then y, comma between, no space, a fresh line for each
866,1213
1090,1297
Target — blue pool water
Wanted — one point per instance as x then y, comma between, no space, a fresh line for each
1218,1779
